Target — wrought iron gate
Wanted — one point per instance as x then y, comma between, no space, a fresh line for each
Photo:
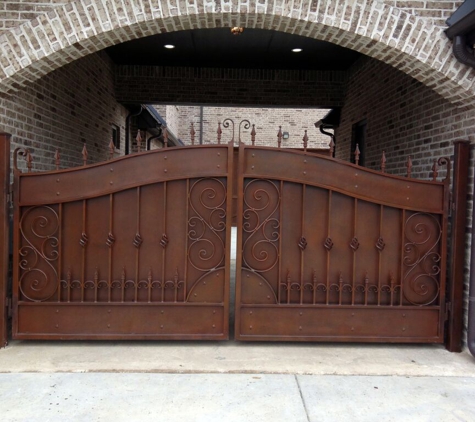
329,251
138,248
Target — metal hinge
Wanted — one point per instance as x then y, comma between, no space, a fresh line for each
9,307
448,308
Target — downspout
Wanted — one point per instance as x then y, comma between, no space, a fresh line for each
201,125
127,129
471,291
322,128
462,52
149,140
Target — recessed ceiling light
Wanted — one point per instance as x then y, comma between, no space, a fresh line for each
169,46
296,50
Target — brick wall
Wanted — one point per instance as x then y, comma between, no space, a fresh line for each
16,12
68,107
403,116
168,85
266,121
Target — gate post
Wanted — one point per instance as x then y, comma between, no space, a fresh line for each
4,232
457,246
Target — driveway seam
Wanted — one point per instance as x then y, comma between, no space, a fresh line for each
301,398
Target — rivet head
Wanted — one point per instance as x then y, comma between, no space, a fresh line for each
165,170
268,297
403,328
204,282
353,314
162,312
112,170
214,326
250,327
195,295
252,167
218,166
253,155
260,284
301,313
108,311
108,325
250,312
57,325
161,326
304,172
305,161
57,180
111,182
165,157
247,275
214,312
57,193
300,328
352,328
57,311
219,154
404,315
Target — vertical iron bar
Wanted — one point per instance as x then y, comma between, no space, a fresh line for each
457,254
403,226
137,253
60,255
4,227
302,250
111,208
187,211
355,236
164,231
381,211
328,251
279,255
83,270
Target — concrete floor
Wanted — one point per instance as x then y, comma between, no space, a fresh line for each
230,381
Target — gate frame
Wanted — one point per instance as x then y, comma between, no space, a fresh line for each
4,235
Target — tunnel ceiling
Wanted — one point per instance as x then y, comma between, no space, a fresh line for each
254,48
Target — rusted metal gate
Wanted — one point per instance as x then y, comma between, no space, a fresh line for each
137,247
329,251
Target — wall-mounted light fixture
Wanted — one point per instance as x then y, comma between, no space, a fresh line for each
285,135
237,30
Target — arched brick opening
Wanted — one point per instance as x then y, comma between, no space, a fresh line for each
411,44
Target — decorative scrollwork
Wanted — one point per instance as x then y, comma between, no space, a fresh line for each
261,222
422,259
302,243
164,241
137,240
38,253
207,224
328,244
380,244
354,244
110,240
84,239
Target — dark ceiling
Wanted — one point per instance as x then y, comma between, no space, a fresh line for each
254,48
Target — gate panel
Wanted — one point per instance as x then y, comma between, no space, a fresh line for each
141,252
329,251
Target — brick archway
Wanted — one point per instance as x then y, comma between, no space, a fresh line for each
411,44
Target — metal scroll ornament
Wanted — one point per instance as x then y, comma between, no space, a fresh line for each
262,225
38,253
422,258
207,224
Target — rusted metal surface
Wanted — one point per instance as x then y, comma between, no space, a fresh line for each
330,251
4,225
457,250
134,248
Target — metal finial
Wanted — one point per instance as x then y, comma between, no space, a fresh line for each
332,147
383,162
357,155
219,132
253,135
279,137
57,158
192,134
165,137
138,139
84,154
305,141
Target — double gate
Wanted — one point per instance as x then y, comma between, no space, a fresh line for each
139,248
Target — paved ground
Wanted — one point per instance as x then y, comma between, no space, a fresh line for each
230,381
233,397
